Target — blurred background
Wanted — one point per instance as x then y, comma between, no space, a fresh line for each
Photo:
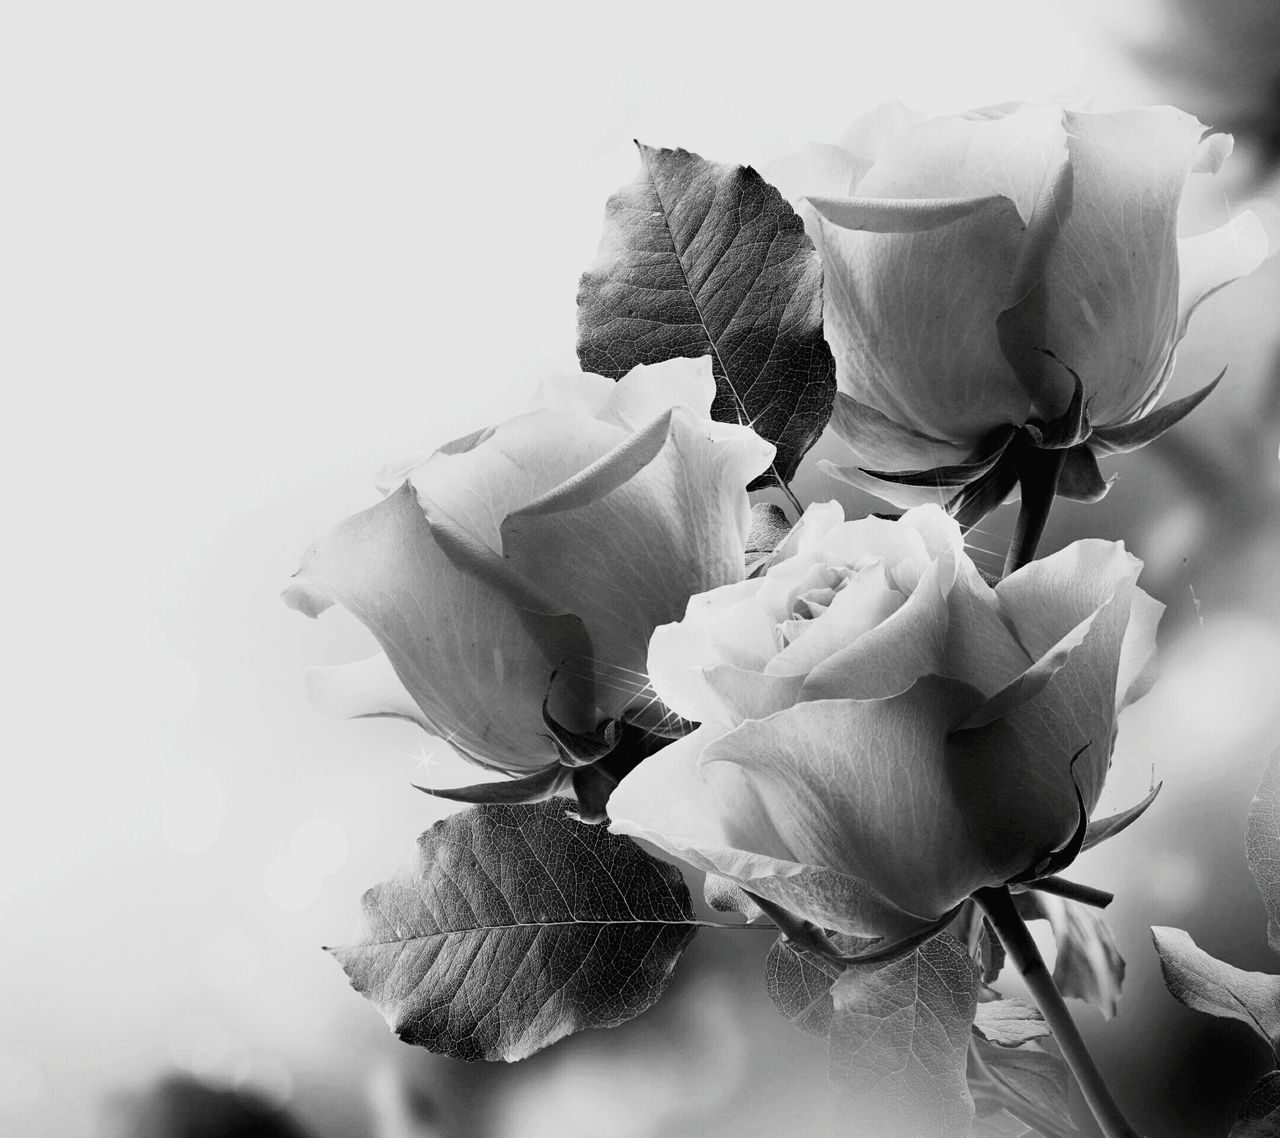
251,250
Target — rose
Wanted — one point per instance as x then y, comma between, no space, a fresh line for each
881,732
977,263
545,548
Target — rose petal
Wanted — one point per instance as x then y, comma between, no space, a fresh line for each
477,488
1047,598
1078,705
387,569
1112,281
911,319
647,391
980,649
751,695
1213,260
365,689
863,603
711,816
882,443
660,518
895,493
974,155
890,658
863,788
1137,670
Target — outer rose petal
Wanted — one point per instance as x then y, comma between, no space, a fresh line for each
883,443
649,390
366,689
656,520
1089,581
711,816
1112,280
972,155
519,460
911,318
387,569
1137,670
864,788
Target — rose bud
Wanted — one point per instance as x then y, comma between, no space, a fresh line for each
882,733
514,577
985,269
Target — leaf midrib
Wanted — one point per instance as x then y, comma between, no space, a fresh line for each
683,923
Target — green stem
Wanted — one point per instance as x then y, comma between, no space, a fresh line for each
1038,473
1085,894
1012,931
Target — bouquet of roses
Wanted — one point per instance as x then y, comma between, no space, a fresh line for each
859,738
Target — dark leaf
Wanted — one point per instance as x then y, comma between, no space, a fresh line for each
1110,826
1009,1023
1207,984
1028,1075
800,982
514,927
702,258
1131,436
510,791
1089,965
899,1041
983,495
1080,479
593,784
1260,1115
1262,846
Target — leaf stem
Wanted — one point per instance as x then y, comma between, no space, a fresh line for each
1038,473
1085,894
790,496
998,905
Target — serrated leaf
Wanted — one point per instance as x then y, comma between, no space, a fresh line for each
514,927
1028,1074
799,983
899,1041
1260,1115
1207,984
703,258
1262,846
1089,965
1009,1023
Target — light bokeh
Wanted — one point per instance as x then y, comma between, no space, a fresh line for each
252,250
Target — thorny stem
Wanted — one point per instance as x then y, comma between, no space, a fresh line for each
999,908
1038,473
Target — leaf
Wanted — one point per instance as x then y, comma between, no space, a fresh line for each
701,258
1009,1023
1262,846
1089,965
531,788
900,1037
1029,1074
1138,433
1207,984
514,927
1260,1115
799,983
1111,825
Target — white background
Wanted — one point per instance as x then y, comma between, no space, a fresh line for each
248,252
